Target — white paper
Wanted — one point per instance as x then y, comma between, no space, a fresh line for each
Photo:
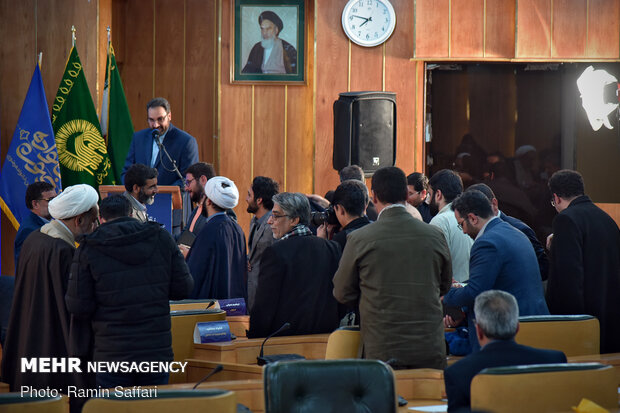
434,408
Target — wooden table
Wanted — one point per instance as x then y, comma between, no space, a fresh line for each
245,351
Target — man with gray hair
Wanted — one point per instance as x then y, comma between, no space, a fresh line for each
497,323
39,322
218,259
295,279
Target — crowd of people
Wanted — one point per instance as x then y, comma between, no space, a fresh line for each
392,260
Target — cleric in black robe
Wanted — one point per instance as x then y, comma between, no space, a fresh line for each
271,54
218,257
39,323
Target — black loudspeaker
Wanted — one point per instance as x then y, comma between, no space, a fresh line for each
365,130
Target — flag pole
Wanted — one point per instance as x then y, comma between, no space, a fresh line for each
109,36
40,59
72,36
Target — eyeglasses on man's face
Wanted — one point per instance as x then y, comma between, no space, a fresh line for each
47,199
278,216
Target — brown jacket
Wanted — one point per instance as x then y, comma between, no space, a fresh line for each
396,269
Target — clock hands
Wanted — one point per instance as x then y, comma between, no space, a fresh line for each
366,20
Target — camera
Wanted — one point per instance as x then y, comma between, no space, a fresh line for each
328,216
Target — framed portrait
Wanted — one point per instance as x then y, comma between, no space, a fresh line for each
269,41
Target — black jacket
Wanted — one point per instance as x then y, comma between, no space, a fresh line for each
584,277
341,236
498,353
122,277
295,286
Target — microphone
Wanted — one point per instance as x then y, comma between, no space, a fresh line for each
217,369
155,134
211,304
284,327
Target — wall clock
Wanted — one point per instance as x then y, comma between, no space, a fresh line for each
368,22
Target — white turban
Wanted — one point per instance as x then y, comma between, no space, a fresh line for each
73,201
222,192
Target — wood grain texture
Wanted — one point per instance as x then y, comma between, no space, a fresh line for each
500,28
269,131
235,123
432,28
603,29
467,39
331,78
366,68
300,122
17,62
569,28
400,78
137,69
533,28
201,75
169,56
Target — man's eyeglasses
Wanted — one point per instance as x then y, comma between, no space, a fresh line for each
189,181
278,216
460,225
553,202
47,199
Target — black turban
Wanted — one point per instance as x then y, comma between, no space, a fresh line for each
272,17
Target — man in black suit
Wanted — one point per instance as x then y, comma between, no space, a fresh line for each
497,322
541,256
295,277
585,258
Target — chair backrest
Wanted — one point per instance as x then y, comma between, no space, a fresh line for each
329,386
343,343
17,403
182,329
543,387
575,335
165,401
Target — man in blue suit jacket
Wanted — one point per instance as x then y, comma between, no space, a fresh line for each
38,196
501,258
497,322
181,146
541,255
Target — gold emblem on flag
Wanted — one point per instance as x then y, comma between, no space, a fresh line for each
80,146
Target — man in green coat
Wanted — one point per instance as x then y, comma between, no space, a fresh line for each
396,269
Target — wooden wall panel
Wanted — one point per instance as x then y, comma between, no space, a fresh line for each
569,28
400,78
17,62
201,75
269,112
366,69
500,28
533,29
169,54
331,78
467,29
55,18
235,140
603,29
300,122
432,30
137,68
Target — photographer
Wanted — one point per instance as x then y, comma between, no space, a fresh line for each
346,211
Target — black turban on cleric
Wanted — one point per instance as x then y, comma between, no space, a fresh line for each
272,17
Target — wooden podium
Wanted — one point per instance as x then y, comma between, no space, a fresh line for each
167,200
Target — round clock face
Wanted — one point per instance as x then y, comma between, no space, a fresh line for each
368,22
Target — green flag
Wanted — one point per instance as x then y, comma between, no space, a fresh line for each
81,149
116,123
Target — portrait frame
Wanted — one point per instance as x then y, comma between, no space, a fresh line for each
247,38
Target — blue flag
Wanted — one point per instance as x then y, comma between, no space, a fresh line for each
32,155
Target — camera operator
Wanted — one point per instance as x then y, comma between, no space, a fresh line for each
348,206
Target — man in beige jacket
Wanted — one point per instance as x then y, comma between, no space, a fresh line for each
396,269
